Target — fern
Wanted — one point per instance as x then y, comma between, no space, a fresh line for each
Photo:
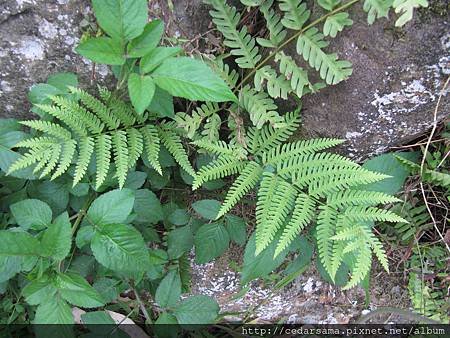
83,125
406,9
297,76
295,14
336,23
376,9
277,33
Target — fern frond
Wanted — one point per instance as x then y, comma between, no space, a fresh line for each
211,128
191,123
266,138
260,108
42,162
174,145
152,146
26,160
98,107
135,146
252,3
230,76
120,148
276,199
348,198
246,181
221,167
123,112
406,9
376,9
295,14
67,118
377,247
362,266
242,44
326,226
364,213
86,149
67,153
221,148
329,5
103,155
40,142
336,23
301,216
338,249
297,76
285,151
53,160
50,128
332,70
87,119
277,34
277,85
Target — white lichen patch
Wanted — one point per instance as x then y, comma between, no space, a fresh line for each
31,49
48,30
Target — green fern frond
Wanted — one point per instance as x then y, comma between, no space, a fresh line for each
175,147
40,142
277,34
326,226
28,159
86,149
295,13
242,45
332,70
252,3
406,9
221,148
329,5
286,151
260,108
349,198
103,154
67,154
364,213
230,76
246,181
361,267
53,160
191,123
277,85
221,167
135,143
152,146
123,112
67,118
97,106
301,216
264,139
120,149
276,199
376,9
336,23
49,128
297,76
377,248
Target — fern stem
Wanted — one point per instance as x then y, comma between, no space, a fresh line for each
292,38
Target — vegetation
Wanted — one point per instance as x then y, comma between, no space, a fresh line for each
95,193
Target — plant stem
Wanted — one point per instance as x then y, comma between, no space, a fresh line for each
293,37
148,319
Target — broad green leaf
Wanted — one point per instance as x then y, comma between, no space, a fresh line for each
54,193
113,207
38,291
40,92
207,208
97,318
57,239
179,217
84,236
18,244
135,180
63,81
166,326
53,311
389,165
236,228
147,207
305,253
211,240
77,291
102,50
32,213
156,57
120,247
162,104
121,19
9,267
147,41
197,309
169,290
192,79
263,264
107,288
179,241
141,90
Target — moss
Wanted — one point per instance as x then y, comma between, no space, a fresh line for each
435,8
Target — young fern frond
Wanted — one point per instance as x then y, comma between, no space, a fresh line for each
301,216
332,70
246,181
242,44
274,202
221,167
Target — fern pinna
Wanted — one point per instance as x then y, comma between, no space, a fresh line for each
82,128
299,185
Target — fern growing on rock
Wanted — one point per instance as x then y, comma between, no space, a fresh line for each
108,131
298,185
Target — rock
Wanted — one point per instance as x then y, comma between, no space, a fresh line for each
37,39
